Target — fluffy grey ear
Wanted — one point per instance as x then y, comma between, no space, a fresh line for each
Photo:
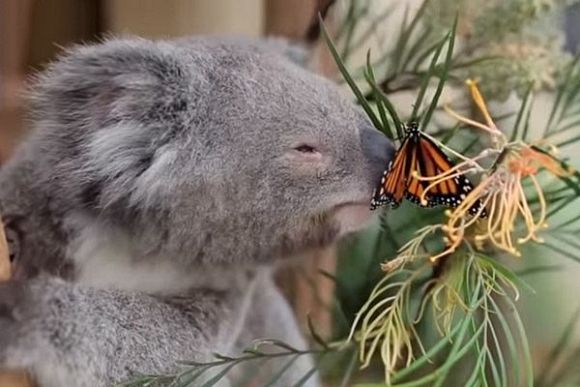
106,111
112,82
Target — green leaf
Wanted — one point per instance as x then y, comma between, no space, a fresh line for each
306,377
476,61
538,269
569,126
274,381
351,83
500,379
449,134
567,223
401,42
427,78
469,146
350,27
427,53
571,243
526,105
479,364
405,36
443,77
223,357
277,343
506,272
428,356
458,349
457,353
528,365
562,252
385,101
186,378
220,375
511,342
561,205
416,47
560,94
569,141
370,77
347,376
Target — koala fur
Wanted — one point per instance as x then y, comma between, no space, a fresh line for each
161,184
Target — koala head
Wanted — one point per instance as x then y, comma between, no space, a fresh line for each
200,152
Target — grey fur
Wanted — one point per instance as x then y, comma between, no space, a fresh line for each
177,159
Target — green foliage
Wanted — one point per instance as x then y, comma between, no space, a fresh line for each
210,373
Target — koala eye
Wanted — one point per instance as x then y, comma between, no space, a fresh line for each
304,152
303,148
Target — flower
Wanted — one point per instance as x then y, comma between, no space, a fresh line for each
501,189
503,193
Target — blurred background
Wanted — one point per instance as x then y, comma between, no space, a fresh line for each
33,32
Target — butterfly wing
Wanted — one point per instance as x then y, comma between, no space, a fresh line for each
393,183
415,191
418,155
448,192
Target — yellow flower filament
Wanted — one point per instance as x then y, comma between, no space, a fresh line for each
494,220
480,102
466,120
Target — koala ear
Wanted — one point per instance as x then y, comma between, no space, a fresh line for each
112,108
115,81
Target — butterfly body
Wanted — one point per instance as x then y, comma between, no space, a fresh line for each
410,175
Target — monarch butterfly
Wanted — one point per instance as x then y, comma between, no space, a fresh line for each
419,153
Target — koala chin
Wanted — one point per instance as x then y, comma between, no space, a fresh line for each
160,184
352,217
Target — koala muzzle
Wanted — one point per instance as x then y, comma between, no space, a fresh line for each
378,150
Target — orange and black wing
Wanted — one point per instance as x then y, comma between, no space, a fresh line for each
394,181
449,192
415,191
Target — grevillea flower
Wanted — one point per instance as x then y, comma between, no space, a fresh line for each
501,190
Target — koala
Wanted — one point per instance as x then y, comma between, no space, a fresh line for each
161,184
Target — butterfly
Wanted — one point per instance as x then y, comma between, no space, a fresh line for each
421,154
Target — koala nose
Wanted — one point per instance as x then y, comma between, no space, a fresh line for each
378,150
